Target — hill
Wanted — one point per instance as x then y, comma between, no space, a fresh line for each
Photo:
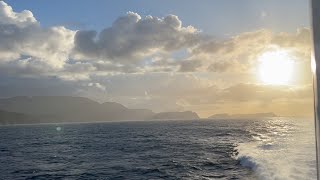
50,109
7,118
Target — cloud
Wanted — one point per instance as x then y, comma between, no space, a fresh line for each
131,39
240,53
223,66
263,14
142,62
23,38
159,91
132,44
265,93
27,49
189,92
190,65
23,19
97,85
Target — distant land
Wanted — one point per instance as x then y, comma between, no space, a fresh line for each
176,115
16,118
241,116
56,109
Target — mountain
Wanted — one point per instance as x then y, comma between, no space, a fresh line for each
50,109
15,118
218,116
242,116
71,109
176,115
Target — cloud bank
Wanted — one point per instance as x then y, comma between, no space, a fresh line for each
132,44
144,62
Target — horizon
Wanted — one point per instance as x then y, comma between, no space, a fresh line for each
226,115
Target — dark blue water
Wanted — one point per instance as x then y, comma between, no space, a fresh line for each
125,150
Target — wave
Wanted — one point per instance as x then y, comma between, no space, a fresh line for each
284,152
248,162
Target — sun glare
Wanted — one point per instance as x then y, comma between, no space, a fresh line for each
276,67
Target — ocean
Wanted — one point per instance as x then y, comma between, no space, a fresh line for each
270,148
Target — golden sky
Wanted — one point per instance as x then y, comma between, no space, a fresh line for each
161,63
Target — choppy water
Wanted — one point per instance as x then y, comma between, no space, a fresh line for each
278,148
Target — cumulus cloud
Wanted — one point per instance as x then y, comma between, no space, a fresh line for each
23,19
131,38
127,46
21,35
131,45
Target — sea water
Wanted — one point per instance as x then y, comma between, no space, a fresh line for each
270,148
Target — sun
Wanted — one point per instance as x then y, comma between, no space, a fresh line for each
275,67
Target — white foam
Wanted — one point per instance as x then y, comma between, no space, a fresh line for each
281,149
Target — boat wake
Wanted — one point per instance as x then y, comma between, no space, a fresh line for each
281,149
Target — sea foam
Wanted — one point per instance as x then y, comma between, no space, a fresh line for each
282,149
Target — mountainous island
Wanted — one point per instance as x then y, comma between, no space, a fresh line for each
242,116
176,115
55,109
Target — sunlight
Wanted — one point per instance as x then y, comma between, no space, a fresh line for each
276,67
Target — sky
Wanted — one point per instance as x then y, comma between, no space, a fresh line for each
212,56
217,17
